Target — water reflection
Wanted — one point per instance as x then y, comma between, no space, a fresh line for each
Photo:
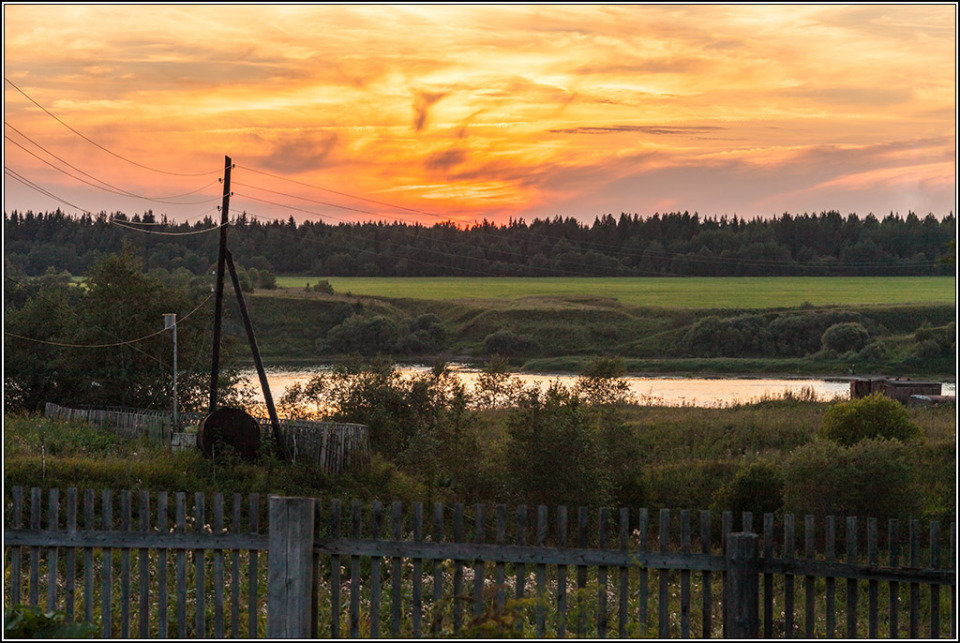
659,391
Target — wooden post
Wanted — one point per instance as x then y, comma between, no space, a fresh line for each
218,298
290,568
742,587
252,338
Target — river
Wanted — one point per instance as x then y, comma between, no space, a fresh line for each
659,391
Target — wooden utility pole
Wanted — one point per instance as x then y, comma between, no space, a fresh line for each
251,337
218,300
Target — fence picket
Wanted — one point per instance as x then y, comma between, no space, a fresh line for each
458,597
395,572
125,525
436,616
602,530
235,527
376,519
335,572
181,567
809,551
162,567
829,547
914,587
479,568
561,571
873,559
685,576
500,567
70,586
143,574
218,568
893,536
53,524
642,547
768,578
88,521
34,593
541,574
706,578
726,528
663,602
252,593
199,561
106,613
623,574
789,552
851,583
16,589
355,527
417,612
581,572
934,589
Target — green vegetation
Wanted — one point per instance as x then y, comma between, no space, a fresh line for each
661,292
30,622
565,333
873,416
585,444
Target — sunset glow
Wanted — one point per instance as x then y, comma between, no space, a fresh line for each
473,112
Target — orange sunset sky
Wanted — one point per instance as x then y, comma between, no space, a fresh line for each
473,112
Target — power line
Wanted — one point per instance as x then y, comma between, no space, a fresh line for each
216,227
124,343
112,189
41,190
93,142
160,199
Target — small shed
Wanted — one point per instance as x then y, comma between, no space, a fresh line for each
894,388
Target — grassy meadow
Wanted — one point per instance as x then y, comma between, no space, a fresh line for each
667,292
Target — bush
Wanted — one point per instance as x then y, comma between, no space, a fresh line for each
364,335
843,337
322,286
756,487
507,344
875,478
874,416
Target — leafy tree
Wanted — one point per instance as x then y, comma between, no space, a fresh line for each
756,487
848,336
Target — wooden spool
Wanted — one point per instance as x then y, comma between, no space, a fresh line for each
233,428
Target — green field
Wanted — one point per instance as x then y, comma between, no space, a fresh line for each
669,292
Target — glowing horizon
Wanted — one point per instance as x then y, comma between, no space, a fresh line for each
472,112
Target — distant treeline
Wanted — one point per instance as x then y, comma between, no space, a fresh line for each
629,245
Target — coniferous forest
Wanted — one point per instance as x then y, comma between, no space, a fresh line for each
677,244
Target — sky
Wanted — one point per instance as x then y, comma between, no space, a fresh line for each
466,113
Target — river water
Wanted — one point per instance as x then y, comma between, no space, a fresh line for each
659,391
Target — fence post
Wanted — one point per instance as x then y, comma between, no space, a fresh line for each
741,605
290,568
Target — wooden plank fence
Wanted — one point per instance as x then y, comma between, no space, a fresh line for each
334,446
192,565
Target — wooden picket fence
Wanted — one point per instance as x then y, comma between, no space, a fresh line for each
302,568
334,446
156,426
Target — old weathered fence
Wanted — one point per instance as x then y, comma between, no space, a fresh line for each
334,446
304,569
153,425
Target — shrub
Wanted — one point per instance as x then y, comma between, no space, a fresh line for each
31,622
507,344
843,337
322,286
757,487
874,416
875,478
364,335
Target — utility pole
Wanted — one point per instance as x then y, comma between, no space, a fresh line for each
218,299
170,321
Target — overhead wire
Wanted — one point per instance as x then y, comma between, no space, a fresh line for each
115,344
98,145
41,190
160,199
122,225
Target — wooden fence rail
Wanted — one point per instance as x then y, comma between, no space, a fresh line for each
177,565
